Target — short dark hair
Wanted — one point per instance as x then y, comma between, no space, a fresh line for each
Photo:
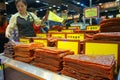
23,1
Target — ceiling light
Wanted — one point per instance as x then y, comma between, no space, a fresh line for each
117,0
54,5
100,3
45,3
78,2
82,4
6,3
66,5
50,7
37,1
106,10
41,9
58,9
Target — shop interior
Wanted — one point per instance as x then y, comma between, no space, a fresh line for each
74,40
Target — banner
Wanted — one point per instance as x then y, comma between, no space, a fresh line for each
53,17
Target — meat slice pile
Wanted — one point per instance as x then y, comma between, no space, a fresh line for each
110,25
83,67
24,52
107,36
8,49
50,58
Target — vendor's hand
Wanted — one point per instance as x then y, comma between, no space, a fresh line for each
7,34
42,25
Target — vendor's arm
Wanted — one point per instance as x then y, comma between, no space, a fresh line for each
10,26
37,21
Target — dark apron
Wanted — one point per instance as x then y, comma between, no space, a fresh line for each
25,27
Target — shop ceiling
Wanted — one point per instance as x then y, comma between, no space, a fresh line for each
42,5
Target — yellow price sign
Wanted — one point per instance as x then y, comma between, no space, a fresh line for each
26,41
78,36
93,27
74,27
61,36
69,45
94,48
38,41
41,35
67,30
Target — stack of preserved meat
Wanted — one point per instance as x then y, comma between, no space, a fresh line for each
110,25
83,67
52,41
108,36
24,52
8,49
50,58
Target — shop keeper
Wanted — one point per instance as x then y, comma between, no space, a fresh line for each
23,20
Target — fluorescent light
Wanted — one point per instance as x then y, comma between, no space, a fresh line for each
6,3
117,0
78,2
41,9
50,7
82,4
100,3
106,10
54,5
58,9
37,1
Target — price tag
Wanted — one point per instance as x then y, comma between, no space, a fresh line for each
92,28
69,45
26,41
67,30
94,48
61,36
41,35
76,36
38,41
74,27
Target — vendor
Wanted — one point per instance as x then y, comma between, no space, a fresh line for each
23,20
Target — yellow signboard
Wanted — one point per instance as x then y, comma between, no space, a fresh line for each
78,36
61,36
38,41
69,45
74,27
91,12
41,35
26,41
93,27
67,30
92,48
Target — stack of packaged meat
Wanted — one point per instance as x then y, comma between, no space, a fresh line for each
108,36
110,25
24,52
83,67
50,58
8,49
52,41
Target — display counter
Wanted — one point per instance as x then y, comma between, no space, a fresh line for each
32,71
